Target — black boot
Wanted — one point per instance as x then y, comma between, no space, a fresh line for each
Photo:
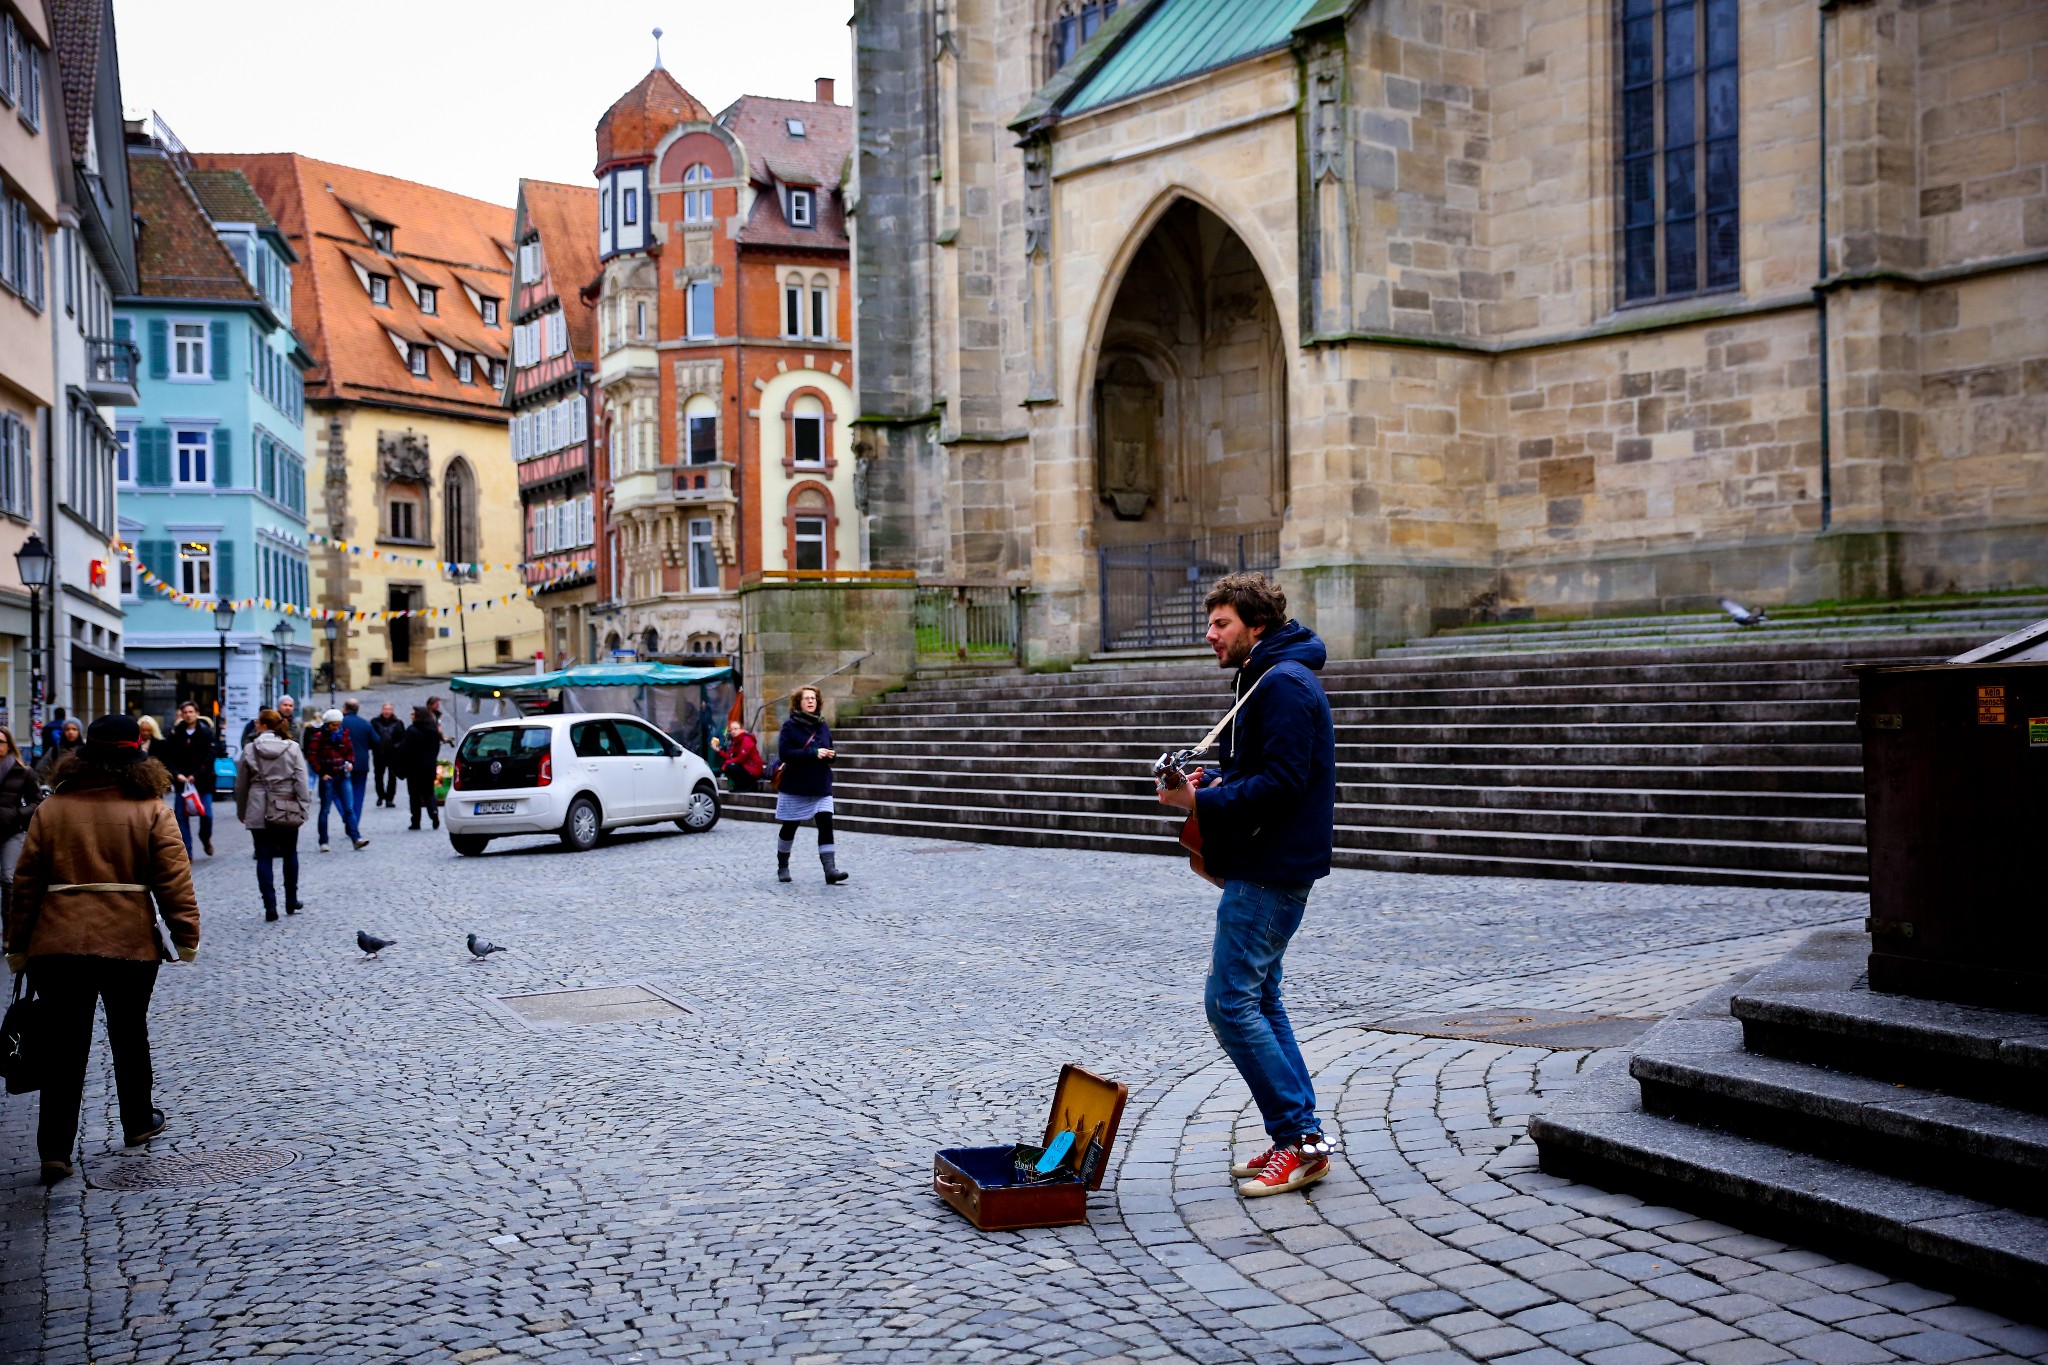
833,876
782,868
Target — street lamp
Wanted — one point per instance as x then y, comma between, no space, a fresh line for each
223,621
282,634
458,574
331,628
33,561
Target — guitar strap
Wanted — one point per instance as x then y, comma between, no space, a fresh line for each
1209,740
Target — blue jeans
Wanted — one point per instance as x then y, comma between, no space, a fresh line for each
1254,921
359,782
177,799
334,791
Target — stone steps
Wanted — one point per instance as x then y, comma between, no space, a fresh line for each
1734,762
1830,1149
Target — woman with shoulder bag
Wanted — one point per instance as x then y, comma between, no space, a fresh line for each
803,786
103,894
271,800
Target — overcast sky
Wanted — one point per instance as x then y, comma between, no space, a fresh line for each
461,94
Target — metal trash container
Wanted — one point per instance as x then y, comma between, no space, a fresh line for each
1955,774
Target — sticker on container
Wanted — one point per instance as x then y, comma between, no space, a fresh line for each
2037,732
1991,706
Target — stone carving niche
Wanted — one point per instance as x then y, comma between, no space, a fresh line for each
1127,442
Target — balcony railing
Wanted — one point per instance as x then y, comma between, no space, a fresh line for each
110,369
701,482
967,622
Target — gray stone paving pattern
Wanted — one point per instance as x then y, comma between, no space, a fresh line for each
751,1180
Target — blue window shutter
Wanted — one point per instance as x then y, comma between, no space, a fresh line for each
224,568
124,329
160,557
219,329
153,457
159,349
223,458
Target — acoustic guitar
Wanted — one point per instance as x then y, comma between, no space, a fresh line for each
1171,772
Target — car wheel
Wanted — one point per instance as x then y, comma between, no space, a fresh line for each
702,812
581,829
468,845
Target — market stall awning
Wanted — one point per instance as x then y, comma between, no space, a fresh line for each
587,675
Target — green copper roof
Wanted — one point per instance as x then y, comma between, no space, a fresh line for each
1181,38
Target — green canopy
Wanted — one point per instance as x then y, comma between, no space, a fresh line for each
588,675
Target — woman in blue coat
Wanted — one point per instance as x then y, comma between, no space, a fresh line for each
805,788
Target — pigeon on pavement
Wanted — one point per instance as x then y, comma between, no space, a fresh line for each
481,948
371,944
1741,615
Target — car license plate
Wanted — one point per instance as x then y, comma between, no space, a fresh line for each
496,807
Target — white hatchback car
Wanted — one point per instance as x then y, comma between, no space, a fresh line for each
574,776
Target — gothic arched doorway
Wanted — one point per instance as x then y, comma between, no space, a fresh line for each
1189,428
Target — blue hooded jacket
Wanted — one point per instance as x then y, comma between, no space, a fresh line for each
1270,817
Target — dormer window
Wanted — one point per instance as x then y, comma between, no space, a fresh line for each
380,290
430,299
416,360
465,369
497,374
796,127
489,309
380,236
800,208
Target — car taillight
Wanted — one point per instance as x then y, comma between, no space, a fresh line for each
455,782
547,769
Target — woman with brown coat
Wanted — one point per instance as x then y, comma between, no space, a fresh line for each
102,860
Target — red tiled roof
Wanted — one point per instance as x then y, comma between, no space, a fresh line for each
817,159
434,232
75,29
641,117
177,253
566,218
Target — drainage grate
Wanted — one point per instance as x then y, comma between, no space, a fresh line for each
1526,1028
632,1003
177,1172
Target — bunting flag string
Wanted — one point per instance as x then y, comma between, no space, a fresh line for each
207,604
438,565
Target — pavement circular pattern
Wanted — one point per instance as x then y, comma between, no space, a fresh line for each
750,1179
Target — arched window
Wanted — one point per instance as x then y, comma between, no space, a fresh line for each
808,434
705,642
1073,23
793,305
650,643
459,513
612,642
821,307
696,202
811,528
700,424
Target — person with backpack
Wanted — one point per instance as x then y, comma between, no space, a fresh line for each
271,799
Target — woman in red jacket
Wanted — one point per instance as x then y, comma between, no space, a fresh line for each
740,757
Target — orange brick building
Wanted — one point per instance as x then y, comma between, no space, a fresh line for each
724,409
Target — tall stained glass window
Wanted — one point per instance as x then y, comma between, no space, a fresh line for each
1679,103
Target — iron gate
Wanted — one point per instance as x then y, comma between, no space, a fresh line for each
1152,594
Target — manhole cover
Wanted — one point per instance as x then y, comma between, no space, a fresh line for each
181,1171
1526,1028
593,1005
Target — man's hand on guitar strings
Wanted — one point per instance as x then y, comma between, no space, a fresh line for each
1182,795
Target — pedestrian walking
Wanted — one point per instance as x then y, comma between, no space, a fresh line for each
70,739
271,801
20,792
387,730
362,739
188,751
331,758
739,757
419,759
805,790
1266,820
101,863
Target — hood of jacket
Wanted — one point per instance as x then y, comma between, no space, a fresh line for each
268,745
1291,641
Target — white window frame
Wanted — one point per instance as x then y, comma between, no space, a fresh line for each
820,319
802,209
465,369
380,291
793,308
796,423
193,568
696,202
822,539
430,300
629,206
124,456
416,360
201,446
487,308
203,345
697,328
701,538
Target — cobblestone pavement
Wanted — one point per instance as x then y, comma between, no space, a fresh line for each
751,1180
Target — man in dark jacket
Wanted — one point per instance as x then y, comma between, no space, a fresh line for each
362,740
386,732
188,751
1266,821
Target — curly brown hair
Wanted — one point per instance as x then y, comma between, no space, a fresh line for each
1256,600
144,780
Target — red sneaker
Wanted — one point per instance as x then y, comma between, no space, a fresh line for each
1286,1169
1255,1165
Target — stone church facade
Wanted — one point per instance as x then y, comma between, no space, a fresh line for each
1445,310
